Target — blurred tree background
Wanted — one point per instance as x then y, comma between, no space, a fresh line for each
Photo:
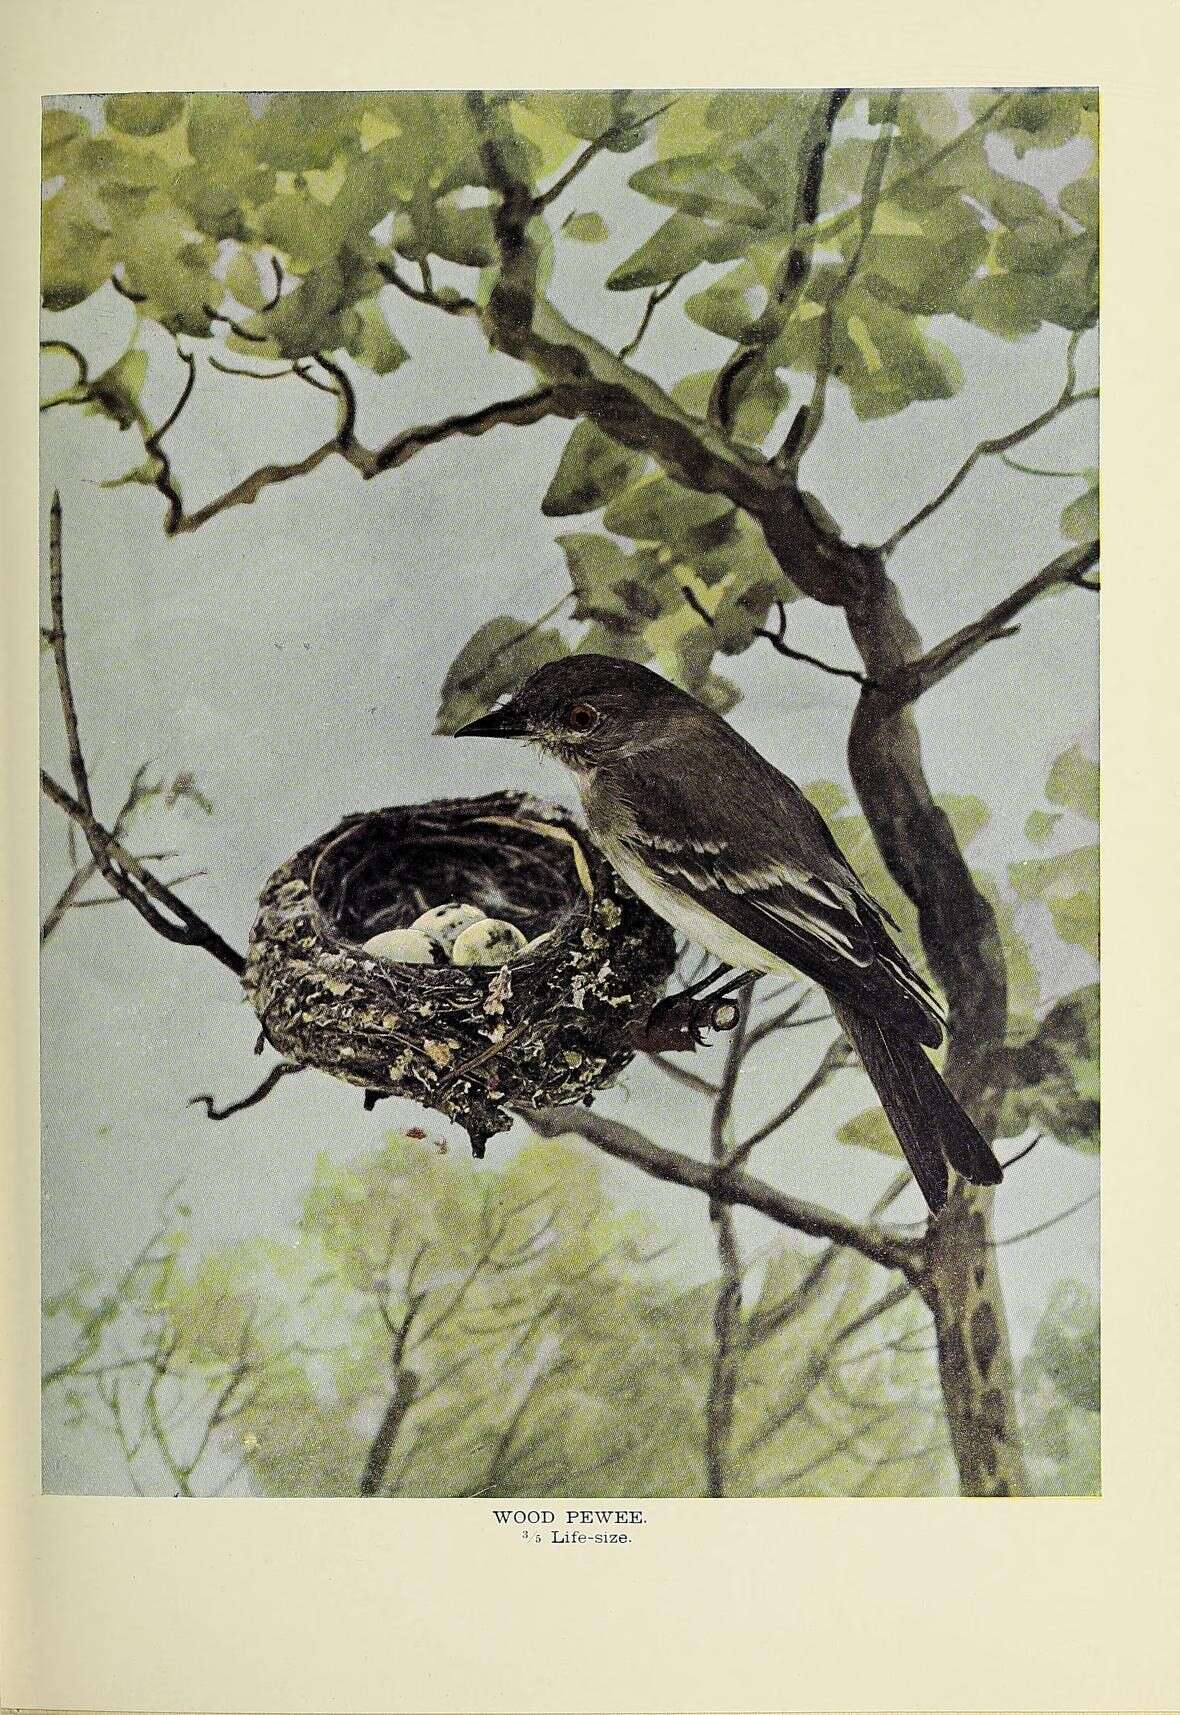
811,264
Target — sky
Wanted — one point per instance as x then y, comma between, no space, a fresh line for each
290,655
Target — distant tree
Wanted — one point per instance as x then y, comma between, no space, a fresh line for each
284,238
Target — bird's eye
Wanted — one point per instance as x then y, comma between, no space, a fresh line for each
583,718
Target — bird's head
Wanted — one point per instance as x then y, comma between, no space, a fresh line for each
586,709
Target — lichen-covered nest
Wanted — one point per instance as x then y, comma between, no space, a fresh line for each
473,1043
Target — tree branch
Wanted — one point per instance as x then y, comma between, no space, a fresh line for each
776,639
810,418
1000,444
793,272
524,409
836,1057
727,1310
655,298
191,931
625,1143
124,873
916,677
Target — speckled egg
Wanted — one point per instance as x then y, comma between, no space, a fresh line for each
445,923
402,947
490,942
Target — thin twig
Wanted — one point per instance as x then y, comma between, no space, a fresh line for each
655,298
545,198
1043,1226
835,1058
273,1077
775,638
1068,397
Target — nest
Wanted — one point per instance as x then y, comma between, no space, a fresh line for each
473,1043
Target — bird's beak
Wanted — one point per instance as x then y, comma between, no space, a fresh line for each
505,722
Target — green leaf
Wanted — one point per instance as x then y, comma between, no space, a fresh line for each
968,815
1074,783
1079,521
143,474
656,509
115,393
586,228
243,279
675,248
1053,1074
593,470
870,1130
497,659
143,115
60,133
609,585
1039,826
1067,884
1066,1345
368,338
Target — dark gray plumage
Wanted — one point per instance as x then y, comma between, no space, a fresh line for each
731,852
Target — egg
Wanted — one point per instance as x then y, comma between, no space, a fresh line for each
402,947
445,923
539,941
490,942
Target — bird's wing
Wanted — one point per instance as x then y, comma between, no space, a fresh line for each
790,890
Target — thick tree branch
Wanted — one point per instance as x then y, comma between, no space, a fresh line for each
626,1143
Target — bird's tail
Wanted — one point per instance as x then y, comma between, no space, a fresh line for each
930,1125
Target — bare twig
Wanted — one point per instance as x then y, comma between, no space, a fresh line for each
655,298
524,409
919,676
777,639
452,302
682,1075
1044,1226
1001,444
1021,1153
273,1077
727,1310
582,160
123,872
836,1057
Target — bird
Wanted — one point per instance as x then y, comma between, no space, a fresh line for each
722,845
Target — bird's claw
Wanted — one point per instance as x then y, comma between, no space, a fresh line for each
678,1023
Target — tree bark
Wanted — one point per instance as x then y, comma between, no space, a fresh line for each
960,1280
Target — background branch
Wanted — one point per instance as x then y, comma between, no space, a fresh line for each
626,1143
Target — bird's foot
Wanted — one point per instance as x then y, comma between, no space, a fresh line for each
678,1022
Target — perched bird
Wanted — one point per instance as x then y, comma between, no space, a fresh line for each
730,852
